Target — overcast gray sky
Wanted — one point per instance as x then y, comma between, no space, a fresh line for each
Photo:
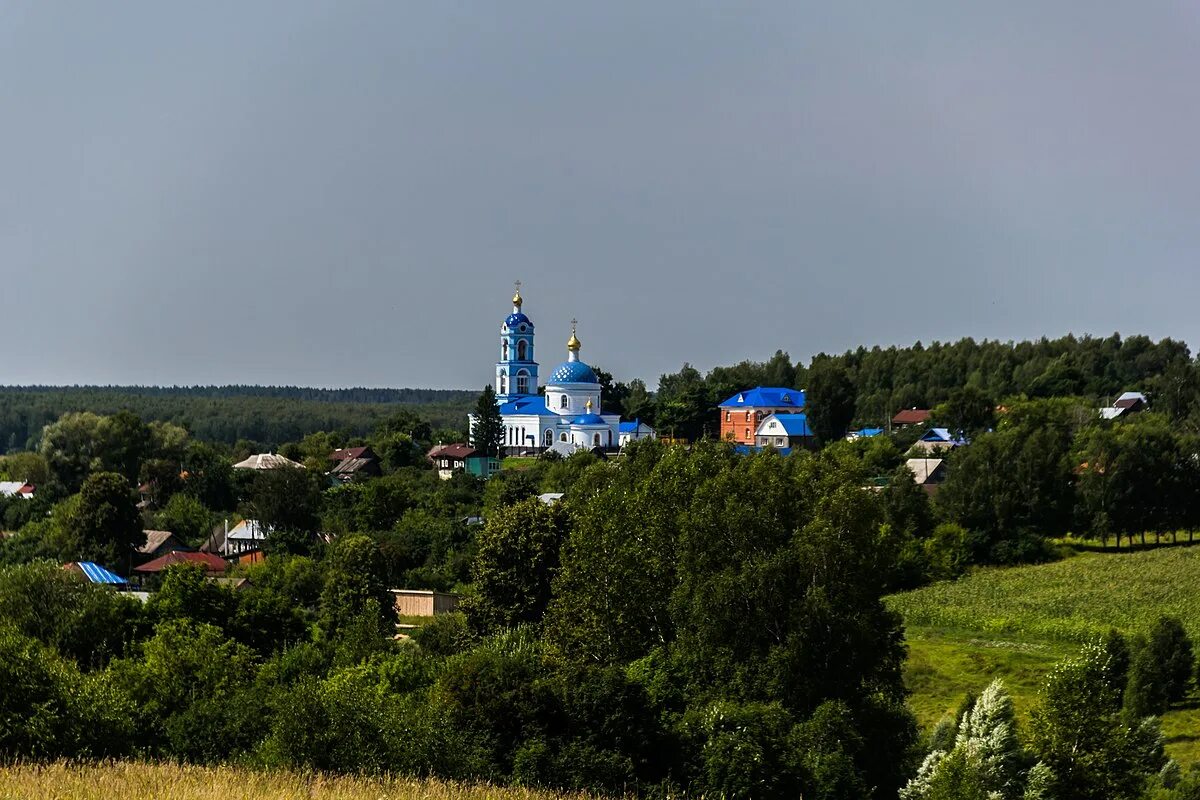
341,193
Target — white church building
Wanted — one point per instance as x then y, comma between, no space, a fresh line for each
567,416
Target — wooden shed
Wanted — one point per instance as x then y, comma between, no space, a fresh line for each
423,602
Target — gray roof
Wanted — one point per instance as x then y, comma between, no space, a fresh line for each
267,461
924,468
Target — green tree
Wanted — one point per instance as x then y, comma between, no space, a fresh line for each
830,400
968,409
187,518
986,761
287,503
105,523
516,563
487,434
1078,731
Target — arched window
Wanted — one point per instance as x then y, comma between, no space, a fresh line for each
504,351
548,439
503,384
522,442
521,345
747,415
523,381
562,437
562,401
595,440
747,433
727,416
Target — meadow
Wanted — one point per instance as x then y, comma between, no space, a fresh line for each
1015,623
1072,600
137,781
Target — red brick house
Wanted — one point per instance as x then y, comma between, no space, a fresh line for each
744,412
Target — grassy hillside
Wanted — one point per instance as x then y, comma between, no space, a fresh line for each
1071,600
131,781
1016,623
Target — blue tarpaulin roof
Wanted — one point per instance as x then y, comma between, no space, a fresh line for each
98,574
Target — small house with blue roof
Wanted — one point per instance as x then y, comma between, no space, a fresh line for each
567,416
940,439
785,431
744,412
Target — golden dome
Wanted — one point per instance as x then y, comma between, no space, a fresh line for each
517,298
573,343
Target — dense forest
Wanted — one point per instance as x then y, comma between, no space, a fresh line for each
267,415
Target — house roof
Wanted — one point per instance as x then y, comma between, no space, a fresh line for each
210,562
247,530
348,466
925,468
864,433
14,488
633,426
267,461
156,539
1130,400
463,451
215,542
792,424
748,449
351,452
1111,412
550,498
96,573
943,435
911,416
766,397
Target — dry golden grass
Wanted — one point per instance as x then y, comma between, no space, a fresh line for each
137,781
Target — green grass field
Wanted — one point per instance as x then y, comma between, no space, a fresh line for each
1015,623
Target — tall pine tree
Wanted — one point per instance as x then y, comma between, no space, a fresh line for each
487,434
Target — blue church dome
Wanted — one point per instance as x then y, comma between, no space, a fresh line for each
588,419
516,318
573,372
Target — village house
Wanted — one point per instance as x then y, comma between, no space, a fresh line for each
449,458
17,489
911,416
159,543
94,573
423,602
940,439
784,431
742,413
929,473
267,461
1127,403
354,463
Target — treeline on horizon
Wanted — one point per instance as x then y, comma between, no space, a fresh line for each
868,386
861,387
268,416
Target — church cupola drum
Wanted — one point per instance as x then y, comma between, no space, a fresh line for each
516,371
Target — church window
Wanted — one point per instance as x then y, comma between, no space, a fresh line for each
521,346
549,437
562,401
504,351
522,442
522,382
595,440
562,437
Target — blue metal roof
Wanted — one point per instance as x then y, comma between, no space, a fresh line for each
573,372
628,427
513,320
588,419
794,424
943,435
532,404
766,397
98,574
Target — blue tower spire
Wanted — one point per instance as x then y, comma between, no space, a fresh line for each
516,371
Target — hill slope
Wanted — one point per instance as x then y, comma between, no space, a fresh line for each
1015,623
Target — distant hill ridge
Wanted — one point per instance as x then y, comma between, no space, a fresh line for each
357,394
